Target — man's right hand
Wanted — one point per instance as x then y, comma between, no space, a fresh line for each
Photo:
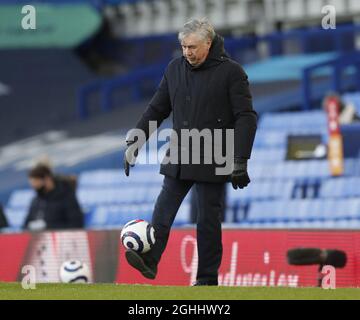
130,155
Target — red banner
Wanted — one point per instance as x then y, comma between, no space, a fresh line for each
13,248
251,258
335,146
332,106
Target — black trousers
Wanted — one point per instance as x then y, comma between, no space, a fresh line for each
194,206
210,197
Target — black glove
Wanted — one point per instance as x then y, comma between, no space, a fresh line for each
130,155
239,176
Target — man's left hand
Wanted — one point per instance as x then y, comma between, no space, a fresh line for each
239,177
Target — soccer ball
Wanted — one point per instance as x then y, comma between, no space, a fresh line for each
138,235
74,271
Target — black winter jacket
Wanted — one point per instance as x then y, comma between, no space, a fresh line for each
214,95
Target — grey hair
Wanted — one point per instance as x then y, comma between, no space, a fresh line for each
201,27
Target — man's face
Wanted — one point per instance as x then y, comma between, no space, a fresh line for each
36,183
39,185
195,49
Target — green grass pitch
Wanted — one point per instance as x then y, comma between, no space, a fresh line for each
14,291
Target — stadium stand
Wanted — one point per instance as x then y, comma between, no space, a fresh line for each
283,194
27,73
153,16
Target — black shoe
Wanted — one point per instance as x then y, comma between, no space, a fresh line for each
137,262
206,283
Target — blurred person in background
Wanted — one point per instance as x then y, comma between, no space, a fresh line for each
204,89
348,113
55,205
3,219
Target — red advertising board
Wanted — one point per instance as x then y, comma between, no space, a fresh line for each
13,249
250,257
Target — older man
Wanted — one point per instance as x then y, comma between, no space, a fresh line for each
203,89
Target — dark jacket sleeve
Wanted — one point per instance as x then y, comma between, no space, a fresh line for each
74,215
3,219
245,115
158,109
31,214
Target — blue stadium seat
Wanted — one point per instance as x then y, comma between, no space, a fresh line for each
306,169
117,195
21,198
340,187
268,154
260,190
15,217
138,175
353,98
118,215
304,210
292,120
351,167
